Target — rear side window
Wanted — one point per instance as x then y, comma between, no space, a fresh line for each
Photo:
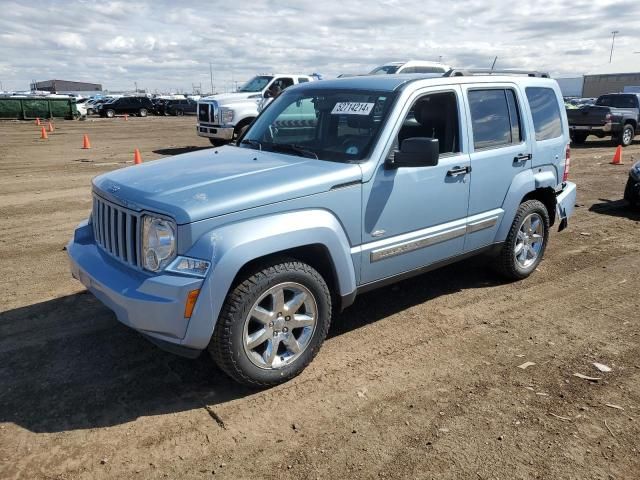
495,119
302,80
545,112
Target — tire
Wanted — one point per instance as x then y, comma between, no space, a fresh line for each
142,112
217,142
630,195
579,137
242,127
89,111
625,137
179,113
257,364
110,113
511,263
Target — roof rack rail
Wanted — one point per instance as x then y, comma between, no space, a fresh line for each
465,72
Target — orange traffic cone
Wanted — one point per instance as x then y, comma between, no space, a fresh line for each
86,145
51,129
126,117
137,159
43,134
38,121
617,158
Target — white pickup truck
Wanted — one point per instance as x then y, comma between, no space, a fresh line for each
223,117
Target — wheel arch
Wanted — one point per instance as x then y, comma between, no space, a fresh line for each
313,236
632,122
539,185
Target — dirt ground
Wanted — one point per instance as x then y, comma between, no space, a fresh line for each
417,380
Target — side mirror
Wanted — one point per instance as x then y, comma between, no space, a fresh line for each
417,152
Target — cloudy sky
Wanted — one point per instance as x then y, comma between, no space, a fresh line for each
168,45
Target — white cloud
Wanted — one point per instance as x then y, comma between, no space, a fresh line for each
161,45
70,40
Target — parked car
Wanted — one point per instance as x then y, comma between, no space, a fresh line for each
140,106
339,187
178,107
223,117
81,106
614,115
632,190
412,66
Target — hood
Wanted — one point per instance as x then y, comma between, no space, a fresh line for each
207,183
225,98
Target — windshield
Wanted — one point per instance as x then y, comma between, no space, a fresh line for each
256,84
336,125
617,101
384,70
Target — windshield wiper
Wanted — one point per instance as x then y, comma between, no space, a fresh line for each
292,147
253,143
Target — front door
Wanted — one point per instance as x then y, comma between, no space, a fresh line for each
413,217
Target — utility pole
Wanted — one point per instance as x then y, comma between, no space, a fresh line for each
613,39
211,77
136,84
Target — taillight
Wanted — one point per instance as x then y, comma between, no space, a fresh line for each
607,117
567,163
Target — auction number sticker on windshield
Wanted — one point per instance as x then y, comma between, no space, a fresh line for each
352,108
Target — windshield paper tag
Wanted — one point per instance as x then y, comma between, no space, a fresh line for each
352,108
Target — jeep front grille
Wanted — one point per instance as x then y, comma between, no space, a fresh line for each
116,231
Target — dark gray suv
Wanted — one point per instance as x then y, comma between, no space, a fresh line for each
140,106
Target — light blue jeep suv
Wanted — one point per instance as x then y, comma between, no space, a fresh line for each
337,188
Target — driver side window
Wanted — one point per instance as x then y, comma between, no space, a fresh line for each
434,115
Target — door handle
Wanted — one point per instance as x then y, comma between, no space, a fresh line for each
522,157
455,171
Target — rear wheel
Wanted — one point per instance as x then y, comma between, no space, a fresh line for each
272,324
625,137
526,242
142,112
579,137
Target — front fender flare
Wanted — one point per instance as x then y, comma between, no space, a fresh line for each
232,246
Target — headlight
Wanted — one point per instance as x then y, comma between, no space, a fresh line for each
226,116
158,243
635,171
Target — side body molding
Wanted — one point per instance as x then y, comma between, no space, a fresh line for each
232,246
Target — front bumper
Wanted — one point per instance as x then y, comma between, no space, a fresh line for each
221,132
152,304
565,203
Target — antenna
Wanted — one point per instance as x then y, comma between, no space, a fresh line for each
494,62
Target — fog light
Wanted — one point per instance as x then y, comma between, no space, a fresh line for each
191,303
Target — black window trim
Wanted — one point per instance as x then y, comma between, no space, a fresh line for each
511,144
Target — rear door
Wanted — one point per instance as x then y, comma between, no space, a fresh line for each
500,150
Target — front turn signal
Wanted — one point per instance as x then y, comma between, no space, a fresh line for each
189,305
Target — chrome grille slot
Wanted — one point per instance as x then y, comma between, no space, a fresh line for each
115,230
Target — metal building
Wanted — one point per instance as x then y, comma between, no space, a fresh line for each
613,77
66,86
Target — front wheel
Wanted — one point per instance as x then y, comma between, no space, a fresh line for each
110,113
272,324
526,242
143,112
